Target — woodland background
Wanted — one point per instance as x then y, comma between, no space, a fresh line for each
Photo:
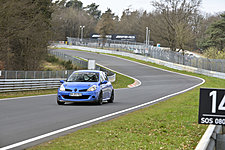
27,27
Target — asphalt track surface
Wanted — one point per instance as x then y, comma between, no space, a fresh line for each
26,118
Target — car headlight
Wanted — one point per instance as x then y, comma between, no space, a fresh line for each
62,88
92,88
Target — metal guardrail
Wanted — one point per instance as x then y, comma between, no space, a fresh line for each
12,85
208,140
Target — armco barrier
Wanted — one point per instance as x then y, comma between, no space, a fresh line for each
208,140
11,85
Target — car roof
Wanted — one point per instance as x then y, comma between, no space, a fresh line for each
94,71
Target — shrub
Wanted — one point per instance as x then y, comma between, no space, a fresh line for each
52,59
214,53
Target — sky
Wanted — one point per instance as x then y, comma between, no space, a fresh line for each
117,6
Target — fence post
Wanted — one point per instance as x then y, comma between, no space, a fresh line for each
42,76
49,74
222,70
5,74
34,74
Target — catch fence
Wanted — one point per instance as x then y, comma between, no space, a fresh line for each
217,65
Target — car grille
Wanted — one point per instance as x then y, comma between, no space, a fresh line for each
76,97
83,90
69,90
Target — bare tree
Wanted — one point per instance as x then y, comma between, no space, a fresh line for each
66,22
25,28
130,23
177,17
105,25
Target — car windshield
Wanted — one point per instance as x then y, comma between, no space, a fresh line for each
84,77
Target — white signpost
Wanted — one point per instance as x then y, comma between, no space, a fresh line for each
91,64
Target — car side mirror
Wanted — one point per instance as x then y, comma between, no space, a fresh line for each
104,82
61,81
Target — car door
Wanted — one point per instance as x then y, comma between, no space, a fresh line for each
103,86
108,87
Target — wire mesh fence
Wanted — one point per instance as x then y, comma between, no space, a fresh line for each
5,74
76,61
217,65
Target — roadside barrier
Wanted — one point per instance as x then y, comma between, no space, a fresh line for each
208,140
12,85
15,85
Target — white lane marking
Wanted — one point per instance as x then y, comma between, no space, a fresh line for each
92,120
106,116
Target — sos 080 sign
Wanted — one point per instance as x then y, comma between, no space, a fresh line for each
212,106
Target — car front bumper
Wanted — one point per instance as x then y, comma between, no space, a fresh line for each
64,96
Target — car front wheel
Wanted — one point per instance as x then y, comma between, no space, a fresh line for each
99,102
111,97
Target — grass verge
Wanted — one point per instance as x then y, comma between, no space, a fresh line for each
27,93
170,124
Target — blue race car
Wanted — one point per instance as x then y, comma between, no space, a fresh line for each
86,86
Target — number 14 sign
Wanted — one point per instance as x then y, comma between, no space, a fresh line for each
212,106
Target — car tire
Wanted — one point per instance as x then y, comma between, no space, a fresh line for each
99,102
111,97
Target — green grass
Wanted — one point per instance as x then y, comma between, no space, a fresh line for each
122,81
171,124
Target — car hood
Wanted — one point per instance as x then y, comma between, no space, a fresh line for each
79,85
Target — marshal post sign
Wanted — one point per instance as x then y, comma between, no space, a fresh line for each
212,106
